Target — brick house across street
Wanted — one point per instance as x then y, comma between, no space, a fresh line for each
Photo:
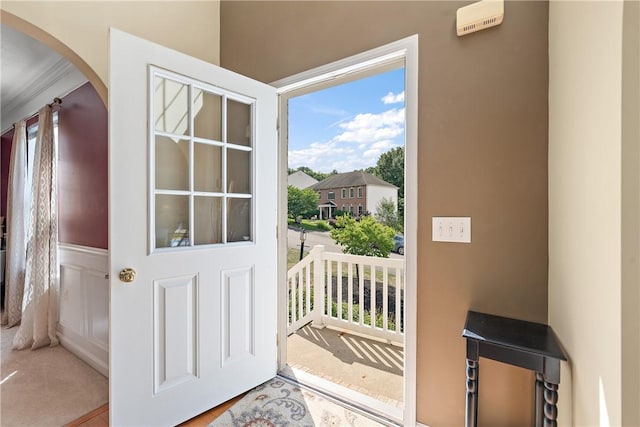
357,192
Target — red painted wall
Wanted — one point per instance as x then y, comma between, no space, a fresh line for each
5,156
82,169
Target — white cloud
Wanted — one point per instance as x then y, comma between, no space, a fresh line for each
392,98
368,128
358,145
326,158
377,148
318,154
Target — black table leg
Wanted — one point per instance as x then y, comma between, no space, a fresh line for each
550,401
471,412
538,406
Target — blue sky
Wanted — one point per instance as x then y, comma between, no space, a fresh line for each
347,127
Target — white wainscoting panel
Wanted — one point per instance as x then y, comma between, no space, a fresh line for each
83,320
98,321
72,310
175,331
237,320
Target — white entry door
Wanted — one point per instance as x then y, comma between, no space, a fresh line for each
192,211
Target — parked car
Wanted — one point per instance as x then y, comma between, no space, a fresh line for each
398,244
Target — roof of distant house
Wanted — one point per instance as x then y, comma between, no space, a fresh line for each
301,180
350,179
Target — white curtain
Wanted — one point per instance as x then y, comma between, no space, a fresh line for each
40,300
17,226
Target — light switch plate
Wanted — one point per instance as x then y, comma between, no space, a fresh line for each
451,229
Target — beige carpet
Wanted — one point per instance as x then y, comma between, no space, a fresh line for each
46,387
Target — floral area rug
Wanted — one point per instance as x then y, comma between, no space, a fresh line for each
277,403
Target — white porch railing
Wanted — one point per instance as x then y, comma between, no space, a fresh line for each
357,293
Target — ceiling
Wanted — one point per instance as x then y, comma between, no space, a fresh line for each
31,75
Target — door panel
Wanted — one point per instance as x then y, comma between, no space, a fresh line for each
192,165
238,324
175,327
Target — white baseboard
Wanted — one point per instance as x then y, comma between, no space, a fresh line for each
92,355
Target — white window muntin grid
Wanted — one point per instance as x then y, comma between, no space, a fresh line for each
226,95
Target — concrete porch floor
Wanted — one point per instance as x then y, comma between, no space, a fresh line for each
364,365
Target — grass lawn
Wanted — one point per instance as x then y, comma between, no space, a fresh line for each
293,256
310,225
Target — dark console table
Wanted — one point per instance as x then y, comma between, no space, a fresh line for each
528,345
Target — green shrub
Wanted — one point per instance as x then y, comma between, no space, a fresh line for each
322,226
391,324
365,237
356,315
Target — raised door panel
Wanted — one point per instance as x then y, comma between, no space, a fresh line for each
175,326
237,323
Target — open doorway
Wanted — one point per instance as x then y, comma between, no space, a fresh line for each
347,310
349,139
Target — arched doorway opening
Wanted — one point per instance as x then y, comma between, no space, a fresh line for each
83,318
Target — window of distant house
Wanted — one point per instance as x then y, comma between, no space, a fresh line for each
319,194
343,193
331,195
344,208
351,209
359,192
351,192
359,210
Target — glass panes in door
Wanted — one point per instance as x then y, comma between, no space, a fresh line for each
202,161
207,163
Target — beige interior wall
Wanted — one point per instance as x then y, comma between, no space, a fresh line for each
82,27
482,153
585,196
631,214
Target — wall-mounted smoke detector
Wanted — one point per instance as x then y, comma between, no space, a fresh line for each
478,16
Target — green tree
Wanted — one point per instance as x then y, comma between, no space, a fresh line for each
302,203
364,237
386,213
390,168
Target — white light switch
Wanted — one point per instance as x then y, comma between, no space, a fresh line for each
451,229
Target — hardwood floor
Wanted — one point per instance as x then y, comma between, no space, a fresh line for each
96,418
100,417
205,418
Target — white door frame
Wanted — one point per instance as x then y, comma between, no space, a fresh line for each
403,50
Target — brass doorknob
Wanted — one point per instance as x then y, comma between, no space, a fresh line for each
127,275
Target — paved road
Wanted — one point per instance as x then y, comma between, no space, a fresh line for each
319,238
